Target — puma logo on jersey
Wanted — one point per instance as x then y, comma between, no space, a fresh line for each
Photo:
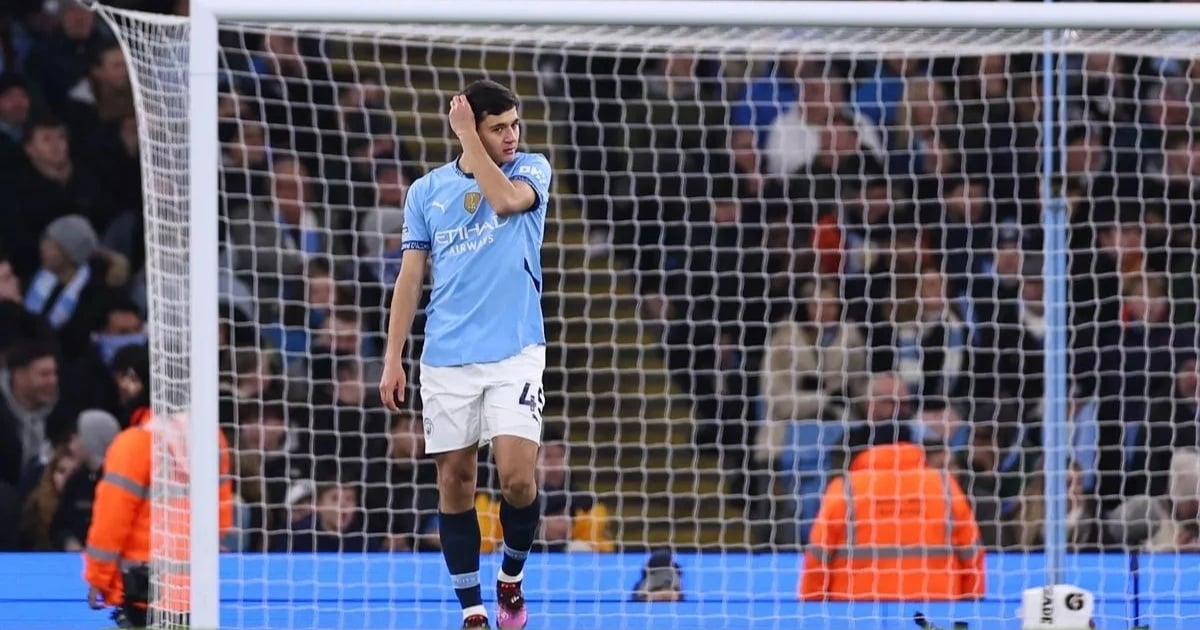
439,205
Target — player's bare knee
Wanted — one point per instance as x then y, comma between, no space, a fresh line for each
456,480
519,491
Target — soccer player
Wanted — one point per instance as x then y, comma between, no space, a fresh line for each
481,219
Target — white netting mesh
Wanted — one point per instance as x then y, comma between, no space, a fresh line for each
764,245
157,50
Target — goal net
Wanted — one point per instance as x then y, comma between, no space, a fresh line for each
786,271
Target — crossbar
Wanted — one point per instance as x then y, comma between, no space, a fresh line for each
749,13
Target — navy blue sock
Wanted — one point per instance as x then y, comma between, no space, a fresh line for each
520,525
460,547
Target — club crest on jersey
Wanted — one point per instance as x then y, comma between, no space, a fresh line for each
471,201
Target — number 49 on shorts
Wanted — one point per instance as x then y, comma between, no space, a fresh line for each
534,400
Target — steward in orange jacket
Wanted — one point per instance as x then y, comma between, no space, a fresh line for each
119,537
893,529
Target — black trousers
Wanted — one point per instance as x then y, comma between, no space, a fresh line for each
138,616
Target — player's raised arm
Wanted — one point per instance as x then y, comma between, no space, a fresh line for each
489,138
405,296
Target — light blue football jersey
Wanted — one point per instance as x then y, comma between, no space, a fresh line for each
487,272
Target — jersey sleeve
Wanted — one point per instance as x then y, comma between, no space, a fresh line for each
534,170
415,233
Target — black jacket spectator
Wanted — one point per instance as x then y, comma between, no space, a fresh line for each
59,59
47,187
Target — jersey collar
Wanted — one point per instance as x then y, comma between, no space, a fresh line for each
458,169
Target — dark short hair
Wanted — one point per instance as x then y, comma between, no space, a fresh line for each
12,81
42,121
320,266
26,351
121,303
488,98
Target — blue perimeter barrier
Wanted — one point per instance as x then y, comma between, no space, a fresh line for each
376,592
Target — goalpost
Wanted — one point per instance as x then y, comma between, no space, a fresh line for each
632,231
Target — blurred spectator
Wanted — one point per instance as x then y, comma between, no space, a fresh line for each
253,375
815,365
307,313
294,90
762,101
819,136
379,238
997,468
1179,530
130,371
14,36
19,326
919,335
851,236
1178,414
401,496
96,370
334,525
1139,368
97,429
14,114
963,229
572,520
32,414
10,284
49,182
878,95
1087,530
271,242
42,504
103,97
261,466
70,289
1087,162
115,158
59,59
1008,314
245,157
678,145
1142,146
345,429
1175,181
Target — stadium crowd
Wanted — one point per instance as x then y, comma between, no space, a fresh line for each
319,464
831,246
838,244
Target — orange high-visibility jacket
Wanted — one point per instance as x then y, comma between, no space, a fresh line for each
120,534
893,529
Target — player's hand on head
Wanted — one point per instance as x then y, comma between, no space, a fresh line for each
462,117
392,385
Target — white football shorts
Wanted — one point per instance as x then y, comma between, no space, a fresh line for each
468,405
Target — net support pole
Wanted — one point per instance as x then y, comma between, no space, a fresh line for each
1055,434
204,448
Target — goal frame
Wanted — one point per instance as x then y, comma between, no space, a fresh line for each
204,152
